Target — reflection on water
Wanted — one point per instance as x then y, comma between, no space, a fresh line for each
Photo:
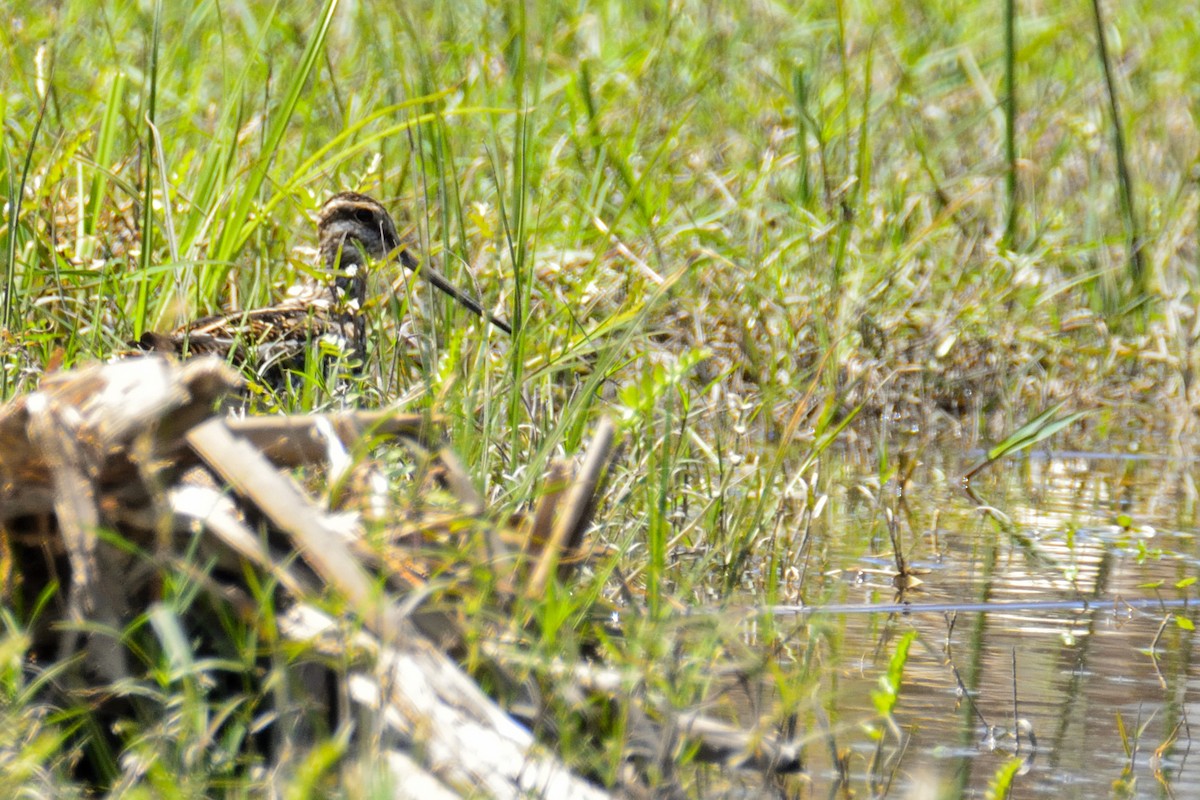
1082,675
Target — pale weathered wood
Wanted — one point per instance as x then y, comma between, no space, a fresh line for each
408,780
283,502
217,513
122,417
91,596
111,446
295,440
423,697
77,434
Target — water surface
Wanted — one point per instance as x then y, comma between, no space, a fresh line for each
1058,595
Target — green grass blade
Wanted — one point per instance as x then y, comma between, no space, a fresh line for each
238,226
1010,121
147,253
1038,429
104,151
15,195
1137,261
887,695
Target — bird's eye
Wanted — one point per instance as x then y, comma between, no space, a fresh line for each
364,216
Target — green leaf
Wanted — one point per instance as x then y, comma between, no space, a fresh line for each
1002,781
888,693
1038,429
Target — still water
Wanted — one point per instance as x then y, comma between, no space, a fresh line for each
1060,595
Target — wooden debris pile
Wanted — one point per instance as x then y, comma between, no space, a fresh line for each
111,474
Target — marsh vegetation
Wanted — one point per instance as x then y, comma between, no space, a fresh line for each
812,261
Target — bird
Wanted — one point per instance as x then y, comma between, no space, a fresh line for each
354,232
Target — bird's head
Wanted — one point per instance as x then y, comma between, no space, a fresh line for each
352,231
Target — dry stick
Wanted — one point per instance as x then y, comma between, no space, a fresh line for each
409,778
466,733
78,520
569,527
466,739
580,502
213,509
252,475
294,440
316,534
554,487
541,531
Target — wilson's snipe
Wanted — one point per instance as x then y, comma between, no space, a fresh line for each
353,232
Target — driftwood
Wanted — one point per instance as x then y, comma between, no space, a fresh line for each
136,447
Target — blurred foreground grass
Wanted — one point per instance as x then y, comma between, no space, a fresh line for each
733,228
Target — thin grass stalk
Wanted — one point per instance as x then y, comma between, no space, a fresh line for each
219,161
149,150
844,73
1136,264
1010,122
516,239
807,126
14,216
657,530
862,189
418,139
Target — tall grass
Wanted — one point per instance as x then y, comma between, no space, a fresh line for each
726,226
1010,122
1136,258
